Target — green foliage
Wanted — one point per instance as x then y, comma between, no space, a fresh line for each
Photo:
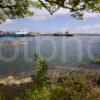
73,88
14,9
37,4
40,76
70,89
76,6
42,94
96,61
83,66
59,93
78,15
77,86
11,9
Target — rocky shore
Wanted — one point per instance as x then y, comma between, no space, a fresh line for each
87,81
54,74
10,80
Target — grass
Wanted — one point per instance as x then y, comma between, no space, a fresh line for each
96,61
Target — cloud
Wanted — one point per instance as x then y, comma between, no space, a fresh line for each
89,29
9,21
43,14
40,14
91,14
62,11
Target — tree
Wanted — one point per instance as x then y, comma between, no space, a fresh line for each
21,8
40,76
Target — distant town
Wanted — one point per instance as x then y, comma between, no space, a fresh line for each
22,33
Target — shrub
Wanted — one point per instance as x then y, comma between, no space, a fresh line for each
71,89
40,79
96,61
38,94
40,76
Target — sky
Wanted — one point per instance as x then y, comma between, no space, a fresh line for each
61,21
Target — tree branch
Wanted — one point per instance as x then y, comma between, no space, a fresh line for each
45,7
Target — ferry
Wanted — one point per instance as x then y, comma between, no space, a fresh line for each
19,33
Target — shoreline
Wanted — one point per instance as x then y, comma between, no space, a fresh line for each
70,35
59,80
10,80
54,74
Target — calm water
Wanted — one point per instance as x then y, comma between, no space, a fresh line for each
17,54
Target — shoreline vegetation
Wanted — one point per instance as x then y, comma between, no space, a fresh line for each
63,84
54,84
54,75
